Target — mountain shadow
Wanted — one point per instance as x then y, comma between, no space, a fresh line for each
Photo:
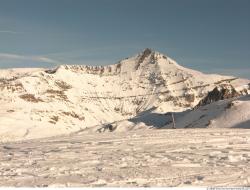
156,120
243,125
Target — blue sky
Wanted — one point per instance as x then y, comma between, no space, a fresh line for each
207,35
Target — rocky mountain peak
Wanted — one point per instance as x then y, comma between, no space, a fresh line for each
146,53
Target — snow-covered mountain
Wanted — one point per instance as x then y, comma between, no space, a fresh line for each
132,93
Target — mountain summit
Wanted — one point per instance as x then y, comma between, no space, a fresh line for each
46,102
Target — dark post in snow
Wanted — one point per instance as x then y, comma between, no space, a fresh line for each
173,120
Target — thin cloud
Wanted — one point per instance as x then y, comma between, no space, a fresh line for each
41,59
8,31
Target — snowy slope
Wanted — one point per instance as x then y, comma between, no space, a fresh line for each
230,113
40,103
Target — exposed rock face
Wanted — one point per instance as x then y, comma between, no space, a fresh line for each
219,93
145,54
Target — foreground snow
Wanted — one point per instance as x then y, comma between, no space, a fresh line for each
180,157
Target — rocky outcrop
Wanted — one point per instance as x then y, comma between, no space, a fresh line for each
219,93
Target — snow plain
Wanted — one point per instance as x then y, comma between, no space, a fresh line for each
172,157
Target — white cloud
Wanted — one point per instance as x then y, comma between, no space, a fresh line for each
28,58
